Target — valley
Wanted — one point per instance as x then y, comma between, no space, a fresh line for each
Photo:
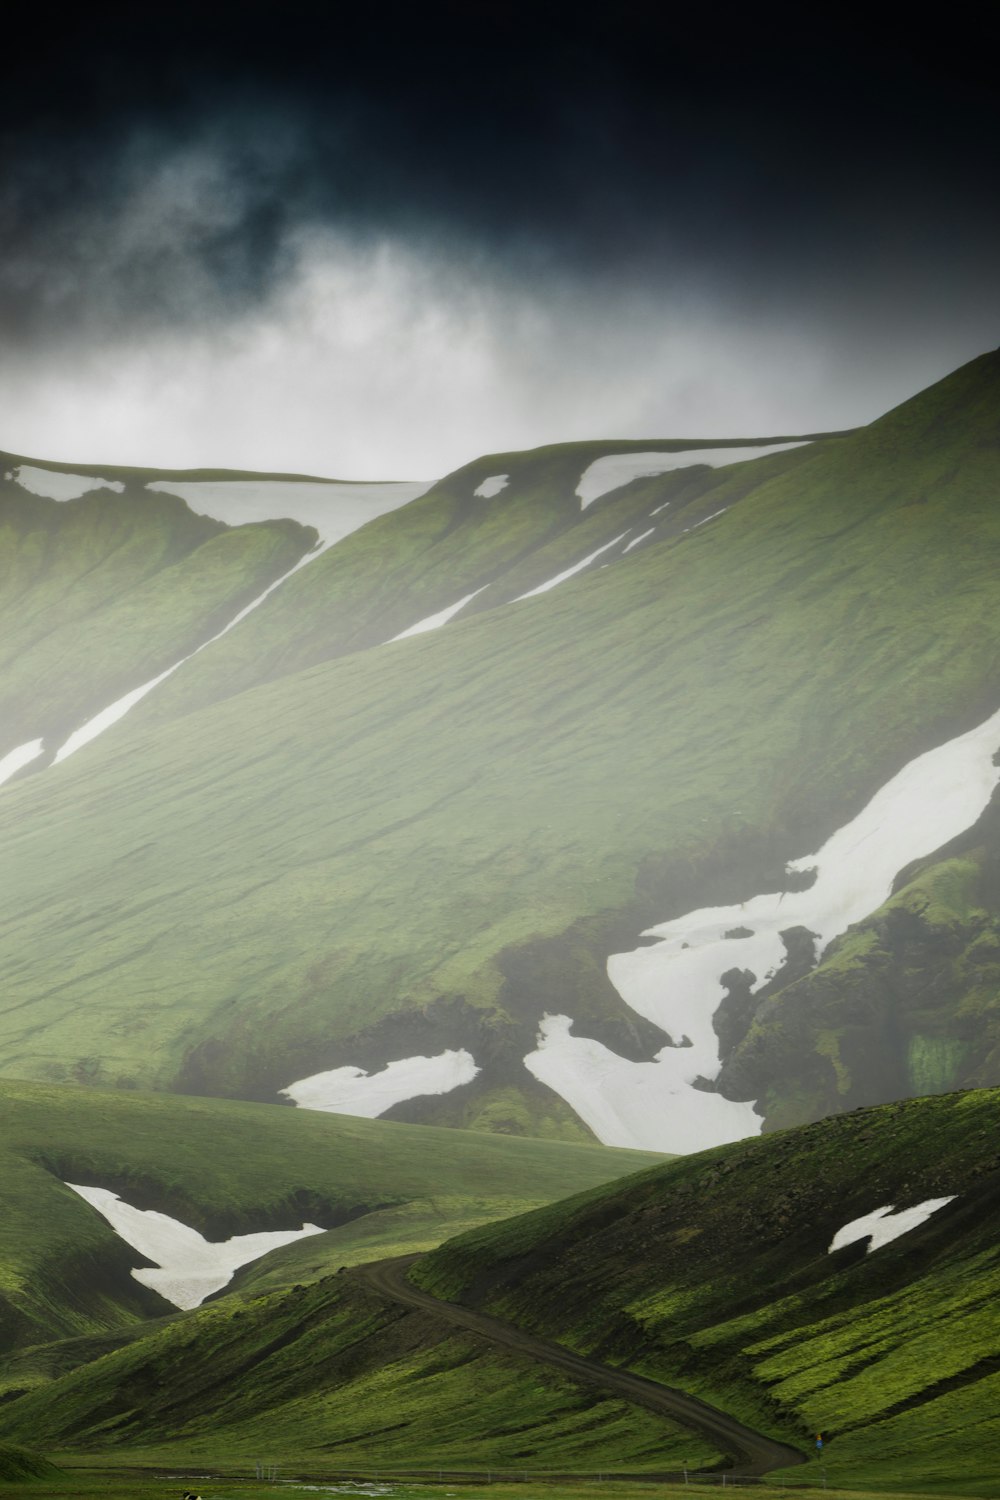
393,871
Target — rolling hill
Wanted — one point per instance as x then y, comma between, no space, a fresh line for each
380,854
837,1278
228,1169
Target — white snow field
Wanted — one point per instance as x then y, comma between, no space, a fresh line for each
352,1091
645,1105
191,1268
551,583
615,469
491,486
55,486
676,982
334,508
15,759
338,526
433,622
883,1225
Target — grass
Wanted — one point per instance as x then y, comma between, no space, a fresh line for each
347,863
228,1168
329,1375
229,1485
100,595
712,1273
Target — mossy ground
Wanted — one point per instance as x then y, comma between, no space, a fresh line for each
713,1273
370,837
228,1168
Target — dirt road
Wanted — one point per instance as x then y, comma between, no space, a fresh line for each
752,1452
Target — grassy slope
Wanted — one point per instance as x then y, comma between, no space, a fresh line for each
713,1273
19,1466
377,839
408,565
102,594
330,1375
227,1169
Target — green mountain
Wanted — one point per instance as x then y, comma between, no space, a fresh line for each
715,1274
712,1273
314,848
228,1169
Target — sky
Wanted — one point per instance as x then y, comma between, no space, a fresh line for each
376,242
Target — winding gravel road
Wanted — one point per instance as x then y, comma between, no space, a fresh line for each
752,1452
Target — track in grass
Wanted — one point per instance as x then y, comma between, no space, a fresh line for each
752,1452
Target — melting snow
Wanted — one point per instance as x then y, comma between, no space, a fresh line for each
635,542
576,568
441,618
705,519
334,509
191,1268
352,1091
56,486
883,1225
676,982
15,759
615,469
491,486
647,1105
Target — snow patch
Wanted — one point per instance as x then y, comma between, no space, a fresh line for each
635,542
352,1091
335,509
705,519
191,1268
54,485
676,983
615,469
491,486
883,1225
15,759
584,562
441,618
646,1105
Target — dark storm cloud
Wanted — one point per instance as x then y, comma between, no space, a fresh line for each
157,159
377,241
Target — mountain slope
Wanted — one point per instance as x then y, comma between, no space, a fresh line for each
714,1273
433,843
101,594
225,1169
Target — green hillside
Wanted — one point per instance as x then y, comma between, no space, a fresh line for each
99,596
431,843
228,1168
712,1273
406,566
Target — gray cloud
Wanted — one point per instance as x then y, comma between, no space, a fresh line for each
315,243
